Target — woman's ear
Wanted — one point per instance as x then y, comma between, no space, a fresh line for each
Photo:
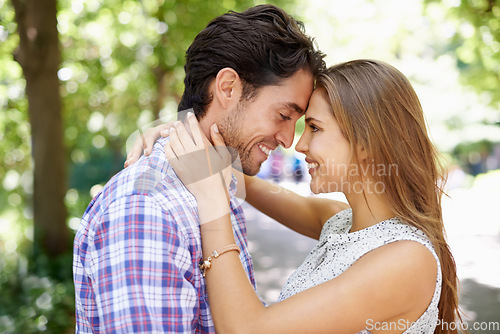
228,87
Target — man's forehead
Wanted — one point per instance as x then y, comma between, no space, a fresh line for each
291,93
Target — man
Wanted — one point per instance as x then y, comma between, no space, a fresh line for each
138,247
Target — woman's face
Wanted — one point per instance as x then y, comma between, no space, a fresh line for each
328,153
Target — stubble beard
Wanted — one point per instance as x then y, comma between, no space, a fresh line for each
231,129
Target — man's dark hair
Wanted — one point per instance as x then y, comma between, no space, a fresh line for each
262,44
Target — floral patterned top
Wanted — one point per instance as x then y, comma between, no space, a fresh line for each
338,249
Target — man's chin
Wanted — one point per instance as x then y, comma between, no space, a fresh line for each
251,169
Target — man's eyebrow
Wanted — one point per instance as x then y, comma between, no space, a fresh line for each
294,106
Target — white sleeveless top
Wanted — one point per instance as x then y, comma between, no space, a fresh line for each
338,249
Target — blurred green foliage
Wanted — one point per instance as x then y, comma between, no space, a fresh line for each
476,43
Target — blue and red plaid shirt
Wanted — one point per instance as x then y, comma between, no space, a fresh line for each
137,251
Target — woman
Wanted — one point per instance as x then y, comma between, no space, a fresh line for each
380,266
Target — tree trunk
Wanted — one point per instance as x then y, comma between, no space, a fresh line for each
39,56
161,90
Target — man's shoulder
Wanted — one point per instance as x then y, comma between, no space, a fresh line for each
149,177
150,182
133,183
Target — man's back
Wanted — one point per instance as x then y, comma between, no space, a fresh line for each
136,255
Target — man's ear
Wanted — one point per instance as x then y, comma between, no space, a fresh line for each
228,87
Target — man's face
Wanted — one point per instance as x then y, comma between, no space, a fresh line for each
256,127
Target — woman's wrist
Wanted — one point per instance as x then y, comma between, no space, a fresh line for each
212,199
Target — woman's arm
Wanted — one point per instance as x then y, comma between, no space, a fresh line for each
305,215
392,284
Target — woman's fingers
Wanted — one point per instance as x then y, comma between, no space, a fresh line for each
148,139
182,142
175,143
219,143
196,132
145,141
225,154
169,153
136,151
194,160
216,136
166,129
185,138
153,134
172,158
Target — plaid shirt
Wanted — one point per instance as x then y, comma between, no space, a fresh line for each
136,255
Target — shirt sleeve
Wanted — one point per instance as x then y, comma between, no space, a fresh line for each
140,269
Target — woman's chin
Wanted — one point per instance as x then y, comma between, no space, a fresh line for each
315,189
323,188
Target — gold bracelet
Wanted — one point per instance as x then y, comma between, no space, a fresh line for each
205,265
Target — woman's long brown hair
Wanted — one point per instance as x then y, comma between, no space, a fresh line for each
376,107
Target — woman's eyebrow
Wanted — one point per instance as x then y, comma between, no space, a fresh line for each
312,119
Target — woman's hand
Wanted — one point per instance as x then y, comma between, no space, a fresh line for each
145,142
204,169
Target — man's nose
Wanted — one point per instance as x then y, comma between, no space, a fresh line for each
302,146
285,135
